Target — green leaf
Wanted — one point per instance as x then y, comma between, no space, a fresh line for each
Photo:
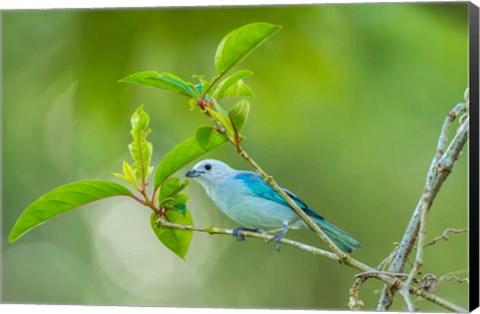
183,153
222,117
180,198
139,119
233,86
171,187
176,240
182,208
203,86
237,89
140,148
165,81
239,113
62,199
147,78
208,138
176,83
239,43
121,177
193,104
128,175
174,200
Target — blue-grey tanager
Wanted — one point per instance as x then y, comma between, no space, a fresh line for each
248,200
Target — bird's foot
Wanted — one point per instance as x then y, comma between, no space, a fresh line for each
277,239
237,233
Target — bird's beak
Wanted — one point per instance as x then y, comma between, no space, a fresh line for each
193,173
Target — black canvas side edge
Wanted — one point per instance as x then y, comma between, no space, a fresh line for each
473,156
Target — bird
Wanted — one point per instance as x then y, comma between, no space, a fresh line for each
246,198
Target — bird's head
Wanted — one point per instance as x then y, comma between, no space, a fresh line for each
209,171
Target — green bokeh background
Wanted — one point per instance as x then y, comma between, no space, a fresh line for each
349,103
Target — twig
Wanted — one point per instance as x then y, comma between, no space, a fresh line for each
269,180
437,300
387,260
421,240
440,167
408,301
375,273
250,234
406,244
454,278
444,235
430,282
316,251
354,302
432,181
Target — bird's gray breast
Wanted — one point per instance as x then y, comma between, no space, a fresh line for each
233,198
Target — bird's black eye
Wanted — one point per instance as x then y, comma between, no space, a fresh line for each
208,166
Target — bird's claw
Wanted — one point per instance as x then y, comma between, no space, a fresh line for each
237,233
277,239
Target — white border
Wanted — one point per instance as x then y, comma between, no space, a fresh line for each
77,309
49,4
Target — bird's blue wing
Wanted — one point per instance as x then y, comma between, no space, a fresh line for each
258,187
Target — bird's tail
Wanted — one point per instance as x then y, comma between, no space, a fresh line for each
343,240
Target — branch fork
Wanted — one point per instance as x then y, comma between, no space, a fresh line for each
440,167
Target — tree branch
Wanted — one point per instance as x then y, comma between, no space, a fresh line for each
408,301
383,276
250,234
444,235
269,180
440,167
454,278
354,302
439,170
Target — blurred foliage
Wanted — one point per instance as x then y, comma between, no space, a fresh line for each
349,104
